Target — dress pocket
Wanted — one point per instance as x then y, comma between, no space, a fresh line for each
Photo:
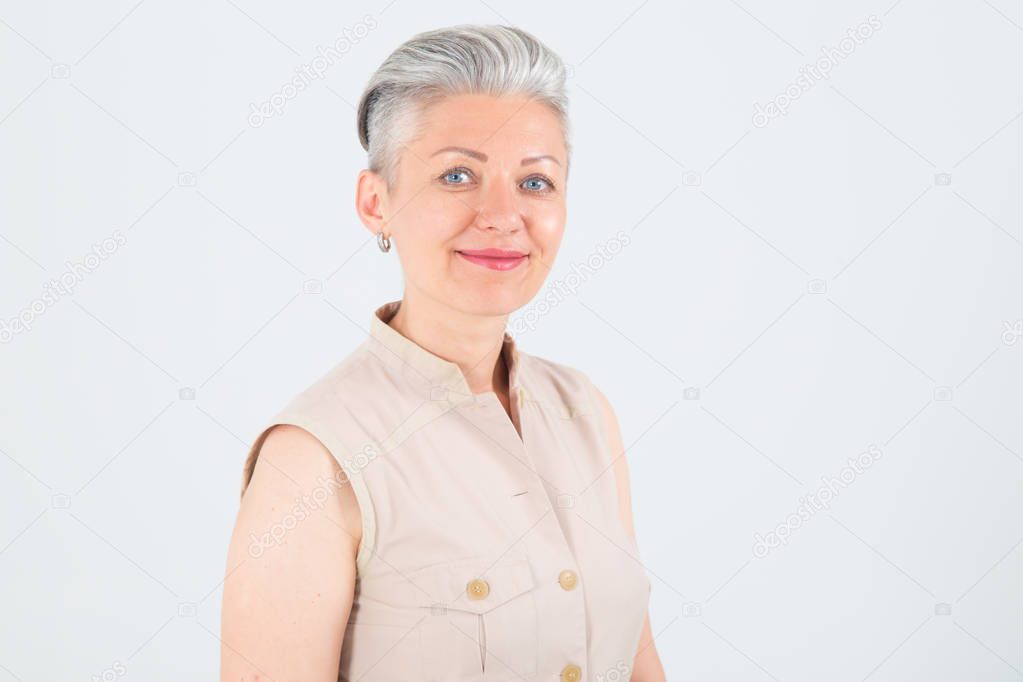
480,619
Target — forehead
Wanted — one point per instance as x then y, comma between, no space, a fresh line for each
491,123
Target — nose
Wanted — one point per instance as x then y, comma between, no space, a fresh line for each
499,209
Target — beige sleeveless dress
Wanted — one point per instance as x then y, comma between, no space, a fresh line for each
485,555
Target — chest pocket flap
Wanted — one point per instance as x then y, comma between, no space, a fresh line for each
474,585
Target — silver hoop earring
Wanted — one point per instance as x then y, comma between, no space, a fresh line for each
383,242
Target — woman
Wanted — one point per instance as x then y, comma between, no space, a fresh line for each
441,505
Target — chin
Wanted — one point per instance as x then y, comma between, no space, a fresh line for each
490,301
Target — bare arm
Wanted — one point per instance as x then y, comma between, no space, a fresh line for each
291,566
647,665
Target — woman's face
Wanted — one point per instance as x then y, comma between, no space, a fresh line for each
484,173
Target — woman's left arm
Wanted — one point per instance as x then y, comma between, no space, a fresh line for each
647,665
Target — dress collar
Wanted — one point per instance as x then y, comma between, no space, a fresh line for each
443,379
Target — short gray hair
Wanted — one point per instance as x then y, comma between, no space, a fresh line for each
463,59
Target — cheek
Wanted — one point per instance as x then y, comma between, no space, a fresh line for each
431,224
449,213
547,228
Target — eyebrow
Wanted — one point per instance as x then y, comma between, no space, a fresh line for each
480,156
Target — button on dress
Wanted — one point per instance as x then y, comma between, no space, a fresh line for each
492,547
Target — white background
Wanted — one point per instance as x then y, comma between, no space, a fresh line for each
847,275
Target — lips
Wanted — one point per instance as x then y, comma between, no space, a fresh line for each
495,259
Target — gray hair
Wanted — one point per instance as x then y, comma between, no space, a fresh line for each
463,59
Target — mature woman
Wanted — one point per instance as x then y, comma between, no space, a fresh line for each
441,505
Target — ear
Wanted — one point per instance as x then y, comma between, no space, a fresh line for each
371,200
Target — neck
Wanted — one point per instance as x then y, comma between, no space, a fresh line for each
473,342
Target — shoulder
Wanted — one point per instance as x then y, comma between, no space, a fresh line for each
291,459
552,383
291,467
573,388
616,451
301,448
578,395
355,372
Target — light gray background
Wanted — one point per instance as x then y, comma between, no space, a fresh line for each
850,274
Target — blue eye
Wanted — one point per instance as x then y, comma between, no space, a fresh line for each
541,180
537,184
455,172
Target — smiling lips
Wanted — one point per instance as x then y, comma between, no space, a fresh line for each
495,259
